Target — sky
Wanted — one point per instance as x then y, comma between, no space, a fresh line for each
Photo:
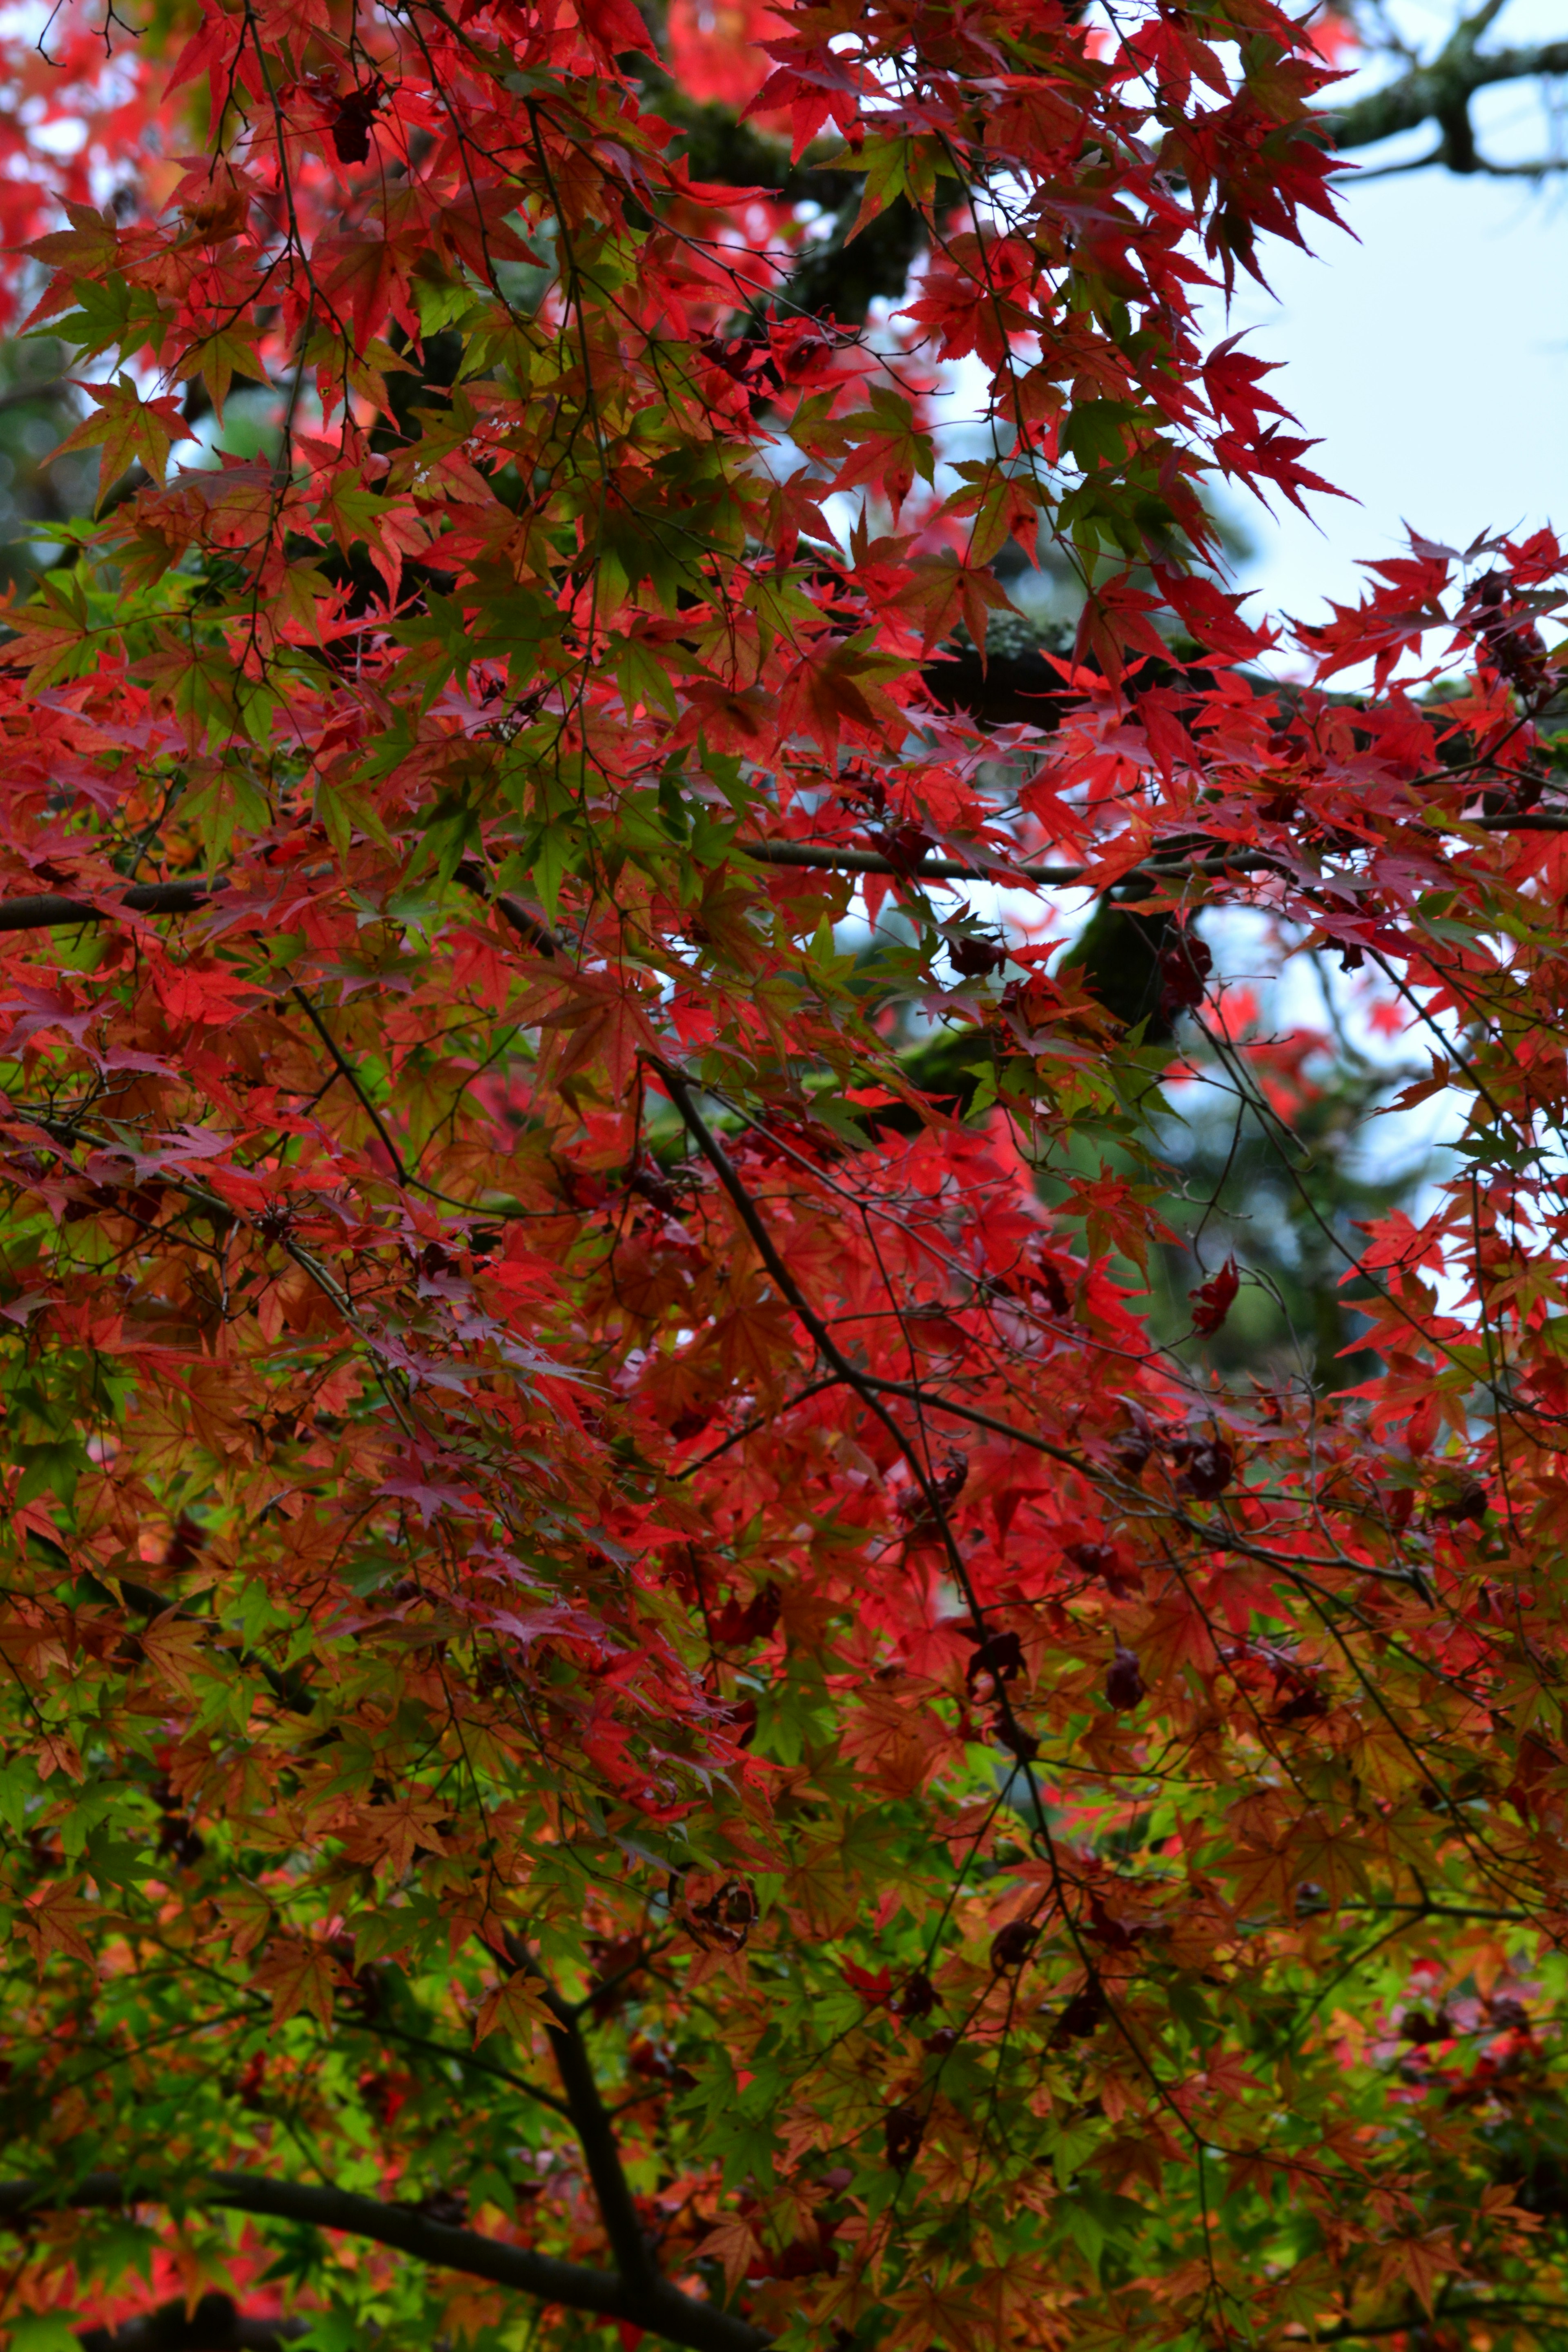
1426,349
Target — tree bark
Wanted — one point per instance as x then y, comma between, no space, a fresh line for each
654,2305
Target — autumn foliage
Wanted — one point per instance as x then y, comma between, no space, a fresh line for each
634,1693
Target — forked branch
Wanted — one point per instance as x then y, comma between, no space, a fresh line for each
654,2305
596,2132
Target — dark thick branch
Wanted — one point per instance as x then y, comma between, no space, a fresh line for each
52,910
47,911
596,2132
827,858
1434,93
1441,91
213,2325
659,2308
722,150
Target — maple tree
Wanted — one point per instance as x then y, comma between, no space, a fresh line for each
633,1692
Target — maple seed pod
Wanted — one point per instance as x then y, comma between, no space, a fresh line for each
1057,1296
1184,966
1105,1561
1124,1685
1139,1443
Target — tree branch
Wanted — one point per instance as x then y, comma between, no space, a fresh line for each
596,2132
212,2325
657,2307
1440,93
828,859
869,1386
48,910
346,1070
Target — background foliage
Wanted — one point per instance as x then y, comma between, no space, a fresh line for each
664,1664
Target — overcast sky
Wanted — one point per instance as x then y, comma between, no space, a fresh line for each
1430,358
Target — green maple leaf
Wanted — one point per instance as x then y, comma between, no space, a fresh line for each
126,427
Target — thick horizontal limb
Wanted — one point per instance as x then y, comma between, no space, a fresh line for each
1440,93
48,911
656,2306
826,858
